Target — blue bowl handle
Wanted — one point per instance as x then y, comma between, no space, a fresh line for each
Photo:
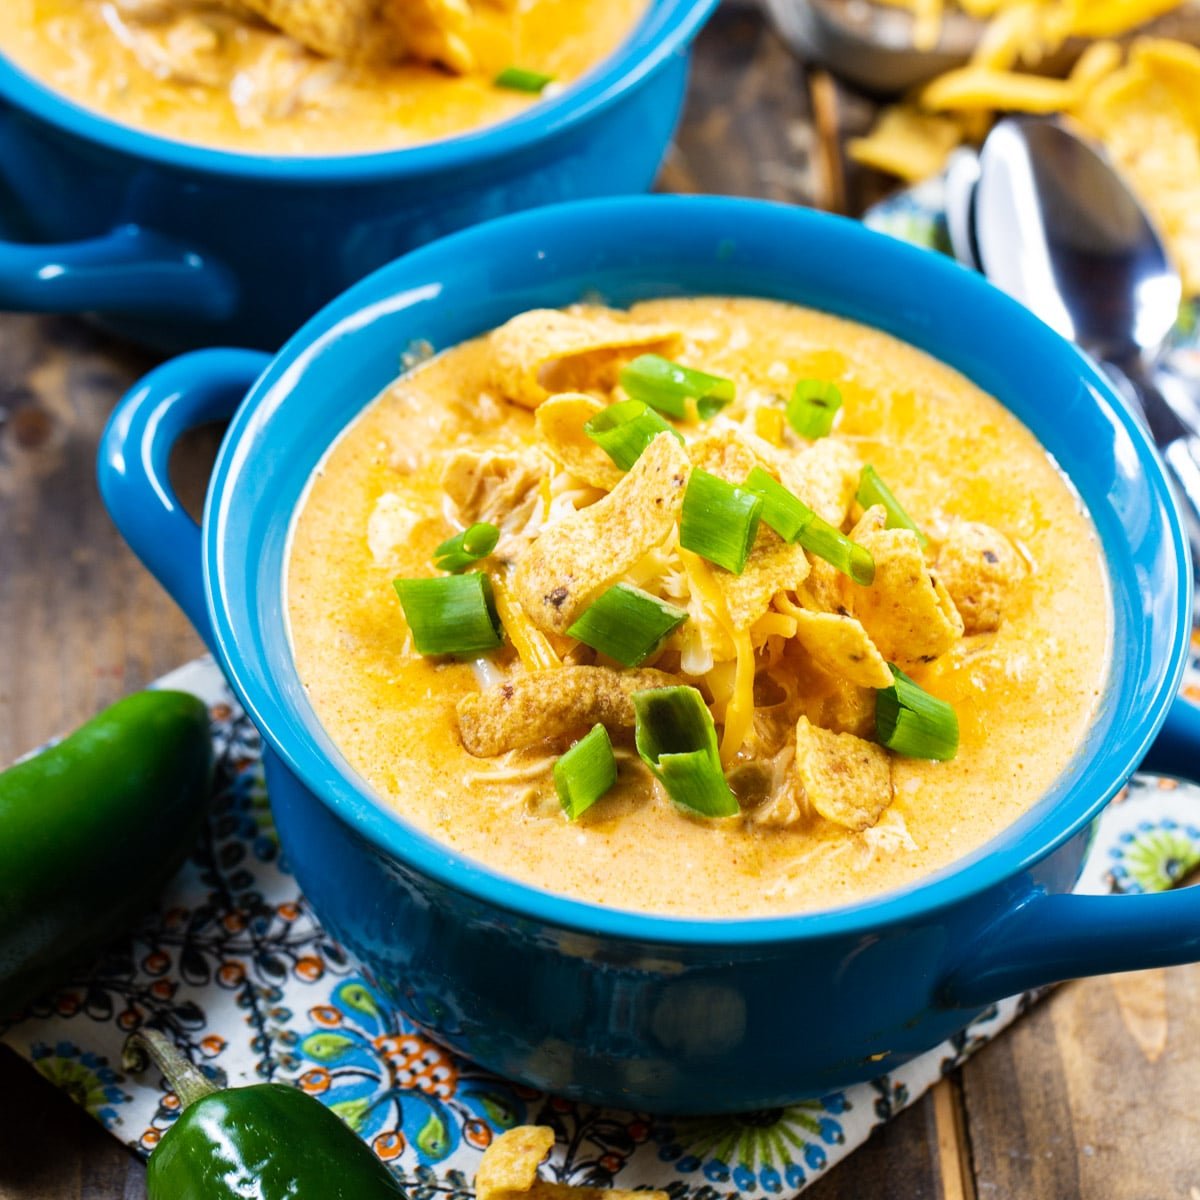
1176,750
129,270
1050,938
133,464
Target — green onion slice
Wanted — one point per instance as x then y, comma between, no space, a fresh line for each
813,406
585,772
624,430
451,614
707,407
820,538
794,521
783,512
518,79
677,740
719,520
668,386
459,552
627,624
911,722
872,490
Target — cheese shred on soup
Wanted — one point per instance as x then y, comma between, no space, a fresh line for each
717,607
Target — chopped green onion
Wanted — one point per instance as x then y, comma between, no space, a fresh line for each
785,514
585,772
627,624
668,386
872,490
707,407
813,406
794,521
820,538
624,430
451,614
911,722
518,79
719,520
677,740
459,552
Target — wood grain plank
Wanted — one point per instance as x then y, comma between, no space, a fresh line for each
1093,1095
82,624
50,1149
746,129
953,1143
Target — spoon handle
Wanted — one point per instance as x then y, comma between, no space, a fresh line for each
1183,457
1165,400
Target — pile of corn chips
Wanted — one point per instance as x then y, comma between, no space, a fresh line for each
1141,102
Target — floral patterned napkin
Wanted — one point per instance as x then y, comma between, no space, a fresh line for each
237,968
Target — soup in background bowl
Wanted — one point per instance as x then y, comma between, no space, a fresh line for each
175,243
217,73
649,1009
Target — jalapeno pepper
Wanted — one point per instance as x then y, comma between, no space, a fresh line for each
91,829
268,1141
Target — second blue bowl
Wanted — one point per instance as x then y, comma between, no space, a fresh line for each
177,245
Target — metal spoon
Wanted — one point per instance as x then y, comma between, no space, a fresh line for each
962,177
1057,228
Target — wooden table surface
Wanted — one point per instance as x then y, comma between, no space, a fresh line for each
1095,1094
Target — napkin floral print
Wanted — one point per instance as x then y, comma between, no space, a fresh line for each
239,971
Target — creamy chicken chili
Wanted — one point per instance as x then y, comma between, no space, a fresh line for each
715,607
310,76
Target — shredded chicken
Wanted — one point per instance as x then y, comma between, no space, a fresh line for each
499,487
389,527
545,704
180,42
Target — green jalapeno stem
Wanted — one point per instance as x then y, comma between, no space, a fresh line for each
150,1046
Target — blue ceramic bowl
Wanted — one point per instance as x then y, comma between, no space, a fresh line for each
177,245
623,1008
1176,750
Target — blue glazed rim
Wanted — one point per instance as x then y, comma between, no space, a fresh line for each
1030,839
667,26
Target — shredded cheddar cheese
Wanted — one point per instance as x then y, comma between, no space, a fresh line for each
739,715
739,712
531,644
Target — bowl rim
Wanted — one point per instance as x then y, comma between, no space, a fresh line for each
664,28
351,801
